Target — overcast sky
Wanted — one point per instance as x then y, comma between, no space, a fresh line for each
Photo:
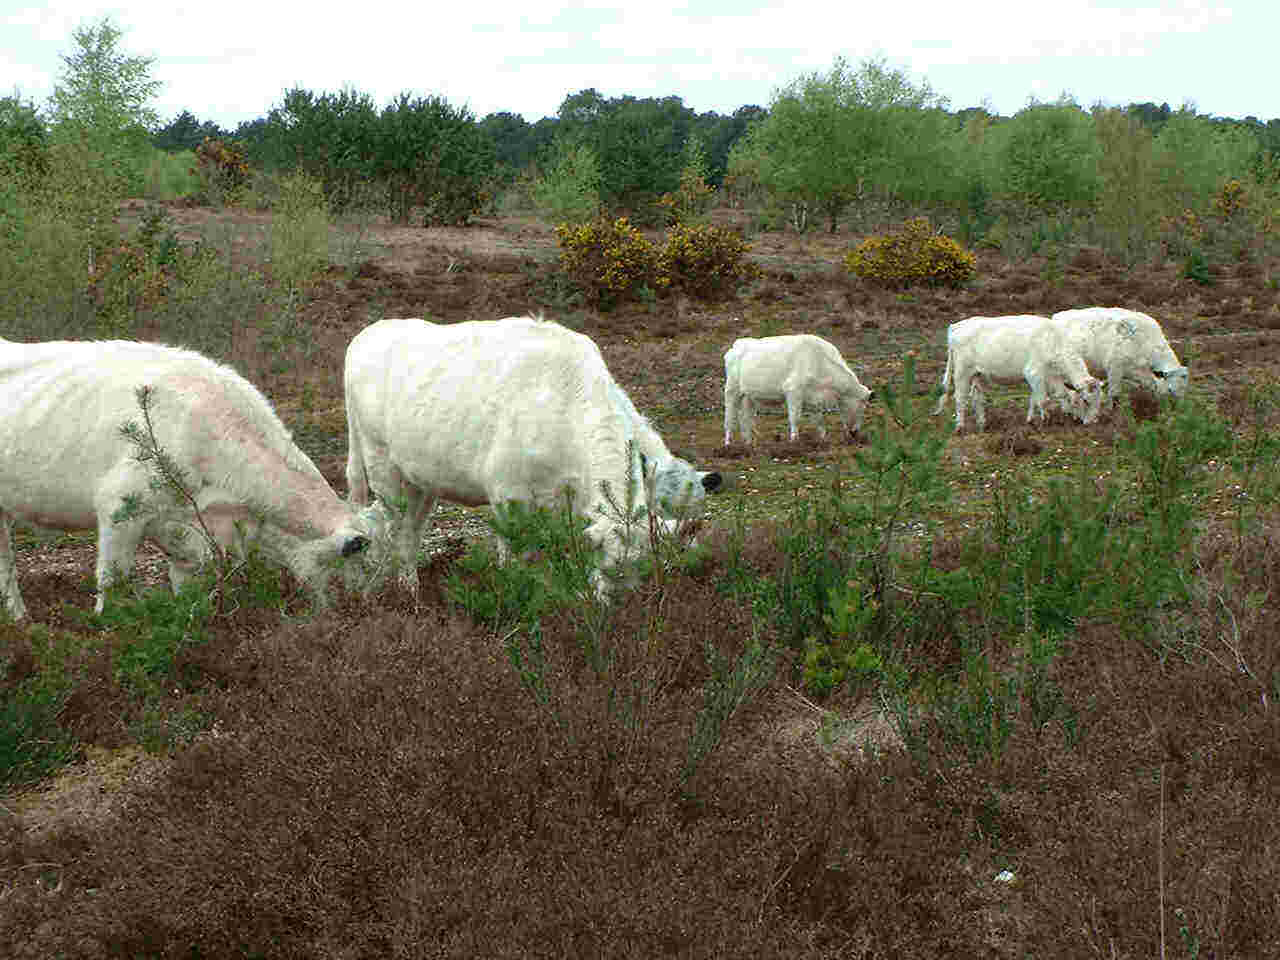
230,60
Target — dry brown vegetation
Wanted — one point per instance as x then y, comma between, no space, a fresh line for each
376,781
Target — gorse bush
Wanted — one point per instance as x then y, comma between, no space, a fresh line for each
1231,199
912,255
704,261
222,168
608,260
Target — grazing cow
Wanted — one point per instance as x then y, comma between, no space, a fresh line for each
802,369
1011,348
1123,344
65,464
498,410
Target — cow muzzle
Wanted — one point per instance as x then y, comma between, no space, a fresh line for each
711,482
354,545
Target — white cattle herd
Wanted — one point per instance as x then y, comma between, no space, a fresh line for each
482,412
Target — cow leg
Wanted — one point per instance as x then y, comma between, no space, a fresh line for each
963,384
746,418
117,547
419,507
1037,380
978,398
9,570
730,412
795,405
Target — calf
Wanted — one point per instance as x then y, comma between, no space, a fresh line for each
1025,347
802,369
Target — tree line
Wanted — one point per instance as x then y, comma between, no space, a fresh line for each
855,145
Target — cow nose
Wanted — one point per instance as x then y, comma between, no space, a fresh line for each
354,545
711,482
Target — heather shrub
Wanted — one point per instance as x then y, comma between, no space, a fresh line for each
608,260
36,681
704,261
914,254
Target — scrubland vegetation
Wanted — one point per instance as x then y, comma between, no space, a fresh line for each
929,694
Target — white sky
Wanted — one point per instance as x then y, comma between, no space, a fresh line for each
231,60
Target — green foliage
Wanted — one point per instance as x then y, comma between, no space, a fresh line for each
24,140
520,592
911,255
1048,157
1127,204
36,680
690,201
169,177
639,144
429,158
834,140
1196,268
730,685
101,100
608,260
151,628
434,159
829,666
299,233
185,132
1193,158
704,261
568,191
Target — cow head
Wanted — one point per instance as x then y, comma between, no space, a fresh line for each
678,486
853,407
1171,380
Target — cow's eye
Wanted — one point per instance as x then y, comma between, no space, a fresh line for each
1159,373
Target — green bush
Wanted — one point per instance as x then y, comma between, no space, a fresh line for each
608,260
692,199
704,261
568,191
171,176
911,255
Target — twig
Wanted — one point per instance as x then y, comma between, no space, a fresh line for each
764,902
1160,861
805,701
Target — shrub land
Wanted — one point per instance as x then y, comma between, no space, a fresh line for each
927,694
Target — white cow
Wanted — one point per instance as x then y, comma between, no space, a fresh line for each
1123,344
802,369
65,464
493,411
1025,347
